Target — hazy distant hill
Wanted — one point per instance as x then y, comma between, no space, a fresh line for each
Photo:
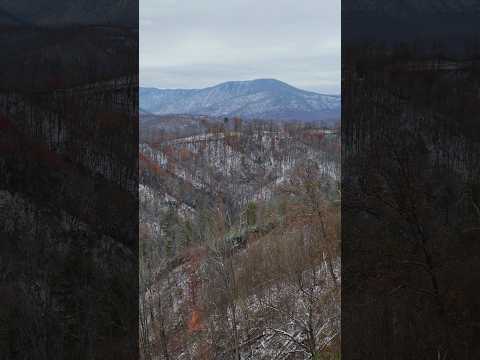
255,99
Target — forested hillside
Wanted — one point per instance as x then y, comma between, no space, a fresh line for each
239,239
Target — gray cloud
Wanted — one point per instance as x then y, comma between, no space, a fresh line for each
193,44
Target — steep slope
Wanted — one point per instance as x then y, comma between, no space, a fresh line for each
261,99
233,207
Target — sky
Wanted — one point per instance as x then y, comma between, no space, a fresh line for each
198,43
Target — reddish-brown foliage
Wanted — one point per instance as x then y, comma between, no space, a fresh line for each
184,154
146,163
194,256
204,353
195,323
233,141
314,137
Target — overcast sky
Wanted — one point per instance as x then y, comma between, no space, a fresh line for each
194,44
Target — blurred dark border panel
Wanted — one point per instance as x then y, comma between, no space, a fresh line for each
69,179
410,179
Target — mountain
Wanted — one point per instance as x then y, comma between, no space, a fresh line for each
255,99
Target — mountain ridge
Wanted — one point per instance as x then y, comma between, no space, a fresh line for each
251,99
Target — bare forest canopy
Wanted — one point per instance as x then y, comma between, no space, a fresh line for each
239,239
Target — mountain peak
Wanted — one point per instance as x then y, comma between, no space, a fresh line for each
260,84
269,99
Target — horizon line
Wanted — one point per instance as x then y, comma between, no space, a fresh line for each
229,81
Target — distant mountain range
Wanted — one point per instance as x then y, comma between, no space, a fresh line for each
268,99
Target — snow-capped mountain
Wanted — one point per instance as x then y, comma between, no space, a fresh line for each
255,99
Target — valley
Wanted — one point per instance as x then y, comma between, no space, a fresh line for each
239,238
